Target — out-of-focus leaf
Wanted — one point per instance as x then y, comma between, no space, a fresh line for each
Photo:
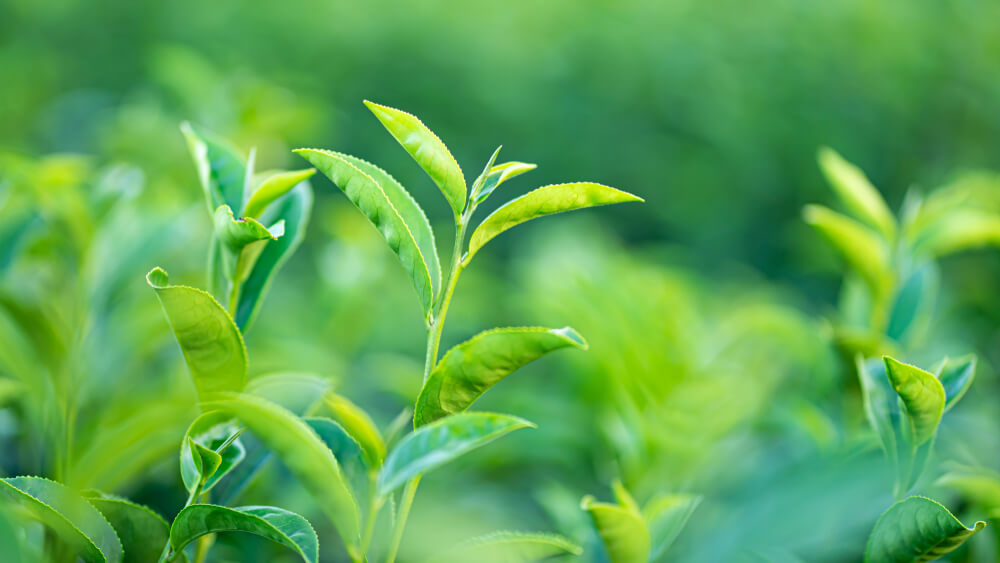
212,345
221,170
543,201
857,193
913,302
508,546
622,530
978,485
68,515
292,210
298,392
860,246
141,531
916,530
201,458
359,425
471,368
345,448
437,443
365,193
665,517
959,230
302,451
276,524
273,186
922,395
10,538
428,150
956,377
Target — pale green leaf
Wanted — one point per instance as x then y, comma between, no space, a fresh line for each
857,193
665,517
68,515
622,531
428,150
437,443
203,458
956,377
272,186
507,546
276,524
471,368
545,200
359,425
860,246
141,531
365,193
922,395
221,170
212,345
916,530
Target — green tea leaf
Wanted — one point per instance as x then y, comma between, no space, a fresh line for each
913,302
957,231
234,233
511,546
861,247
546,200
293,210
302,451
68,515
201,458
857,193
471,368
299,392
922,394
622,530
956,377
221,170
665,517
428,150
881,404
916,530
500,174
276,524
141,531
437,443
359,425
365,193
272,186
978,485
212,345
345,448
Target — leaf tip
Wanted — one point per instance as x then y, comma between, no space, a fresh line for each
569,333
157,278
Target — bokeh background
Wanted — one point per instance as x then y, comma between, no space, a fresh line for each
712,367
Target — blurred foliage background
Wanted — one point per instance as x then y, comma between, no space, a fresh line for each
712,368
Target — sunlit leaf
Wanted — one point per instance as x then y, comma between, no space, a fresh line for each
916,530
203,458
276,524
142,532
860,246
857,193
272,186
68,515
665,517
437,443
221,170
365,193
922,394
546,200
359,425
212,345
471,368
508,546
428,150
959,230
622,530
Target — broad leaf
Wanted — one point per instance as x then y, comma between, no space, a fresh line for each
428,150
359,425
508,546
272,186
860,246
365,193
956,377
922,394
916,530
471,368
275,524
212,345
546,200
435,444
141,531
293,209
221,170
302,451
622,530
857,193
665,517
68,515
202,456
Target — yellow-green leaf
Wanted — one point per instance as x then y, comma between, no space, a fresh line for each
857,193
622,530
922,395
359,425
273,186
861,247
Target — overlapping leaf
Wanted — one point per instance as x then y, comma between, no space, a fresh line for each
857,193
221,170
272,186
142,532
209,451
359,425
275,524
860,246
622,529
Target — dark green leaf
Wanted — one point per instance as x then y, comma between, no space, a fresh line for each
916,530
142,532
276,524
345,448
202,453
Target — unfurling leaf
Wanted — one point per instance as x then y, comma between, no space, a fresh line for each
546,200
922,395
212,345
956,376
440,442
500,174
241,242
272,186
141,531
210,450
857,193
276,524
471,368
622,529
428,150
221,170
916,530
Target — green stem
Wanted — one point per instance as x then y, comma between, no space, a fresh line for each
374,505
404,512
165,553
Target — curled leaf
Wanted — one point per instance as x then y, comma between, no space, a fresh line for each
922,395
276,524
210,450
916,530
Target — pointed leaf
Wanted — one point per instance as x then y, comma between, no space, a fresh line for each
273,186
623,533
365,193
956,377
221,170
234,233
141,531
857,193
68,515
302,451
276,524
359,425
922,394
435,444
212,345
860,246
428,150
916,530
546,200
511,546
665,517
293,208
500,174
201,457
471,368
